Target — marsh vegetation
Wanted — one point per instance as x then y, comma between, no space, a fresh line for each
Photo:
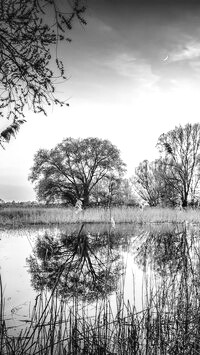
21,217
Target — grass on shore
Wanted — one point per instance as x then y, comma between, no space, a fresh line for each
46,216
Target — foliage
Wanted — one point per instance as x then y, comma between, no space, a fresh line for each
180,154
109,192
150,181
71,170
174,178
29,31
145,182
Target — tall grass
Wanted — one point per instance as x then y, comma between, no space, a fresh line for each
46,216
165,326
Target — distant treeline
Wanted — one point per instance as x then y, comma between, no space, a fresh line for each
90,173
33,204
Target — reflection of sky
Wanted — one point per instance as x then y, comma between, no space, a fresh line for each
133,285
134,73
17,291
15,247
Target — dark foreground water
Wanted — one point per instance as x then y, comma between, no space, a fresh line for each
151,273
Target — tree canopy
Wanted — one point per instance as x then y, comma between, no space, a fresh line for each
70,171
174,178
113,191
29,34
180,154
147,183
151,183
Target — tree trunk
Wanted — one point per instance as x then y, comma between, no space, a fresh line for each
184,202
85,198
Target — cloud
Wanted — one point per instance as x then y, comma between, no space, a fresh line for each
151,27
129,67
189,51
122,48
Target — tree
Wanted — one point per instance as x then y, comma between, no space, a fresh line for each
29,31
71,170
104,193
147,182
113,191
180,154
152,185
125,194
168,194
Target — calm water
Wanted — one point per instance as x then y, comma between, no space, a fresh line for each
93,263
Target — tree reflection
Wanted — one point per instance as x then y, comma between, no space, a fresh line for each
165,251
78,265
172,295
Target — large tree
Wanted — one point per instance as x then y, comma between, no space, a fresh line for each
71,170
29,63
180,154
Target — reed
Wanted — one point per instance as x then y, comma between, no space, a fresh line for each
19,217
158,329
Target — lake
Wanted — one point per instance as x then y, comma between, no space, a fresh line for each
125,288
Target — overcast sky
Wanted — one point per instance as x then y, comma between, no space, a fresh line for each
134,73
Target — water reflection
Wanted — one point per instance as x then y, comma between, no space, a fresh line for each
170,260
83,265
167,252
162,250
87,266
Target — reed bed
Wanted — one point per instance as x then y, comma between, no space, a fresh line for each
46,216
162,328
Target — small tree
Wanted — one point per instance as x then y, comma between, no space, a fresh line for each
154,183
113,191
180,154
29,31
104,193
124,194
71,170
147,182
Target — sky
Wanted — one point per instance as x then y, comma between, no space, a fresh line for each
133,73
